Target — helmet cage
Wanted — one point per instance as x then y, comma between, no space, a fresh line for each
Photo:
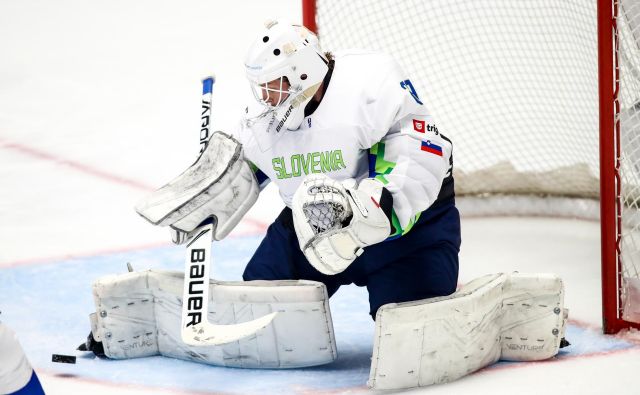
272,96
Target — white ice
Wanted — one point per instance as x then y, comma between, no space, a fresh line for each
100,102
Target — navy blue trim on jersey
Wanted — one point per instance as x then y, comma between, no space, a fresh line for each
372,165
447,190
260,176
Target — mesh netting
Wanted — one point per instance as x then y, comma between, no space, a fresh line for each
328,210
629,118
514,84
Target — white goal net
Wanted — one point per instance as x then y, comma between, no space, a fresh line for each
514,84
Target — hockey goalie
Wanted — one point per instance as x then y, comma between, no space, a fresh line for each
366,177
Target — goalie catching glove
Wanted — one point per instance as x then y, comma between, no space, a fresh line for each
335,220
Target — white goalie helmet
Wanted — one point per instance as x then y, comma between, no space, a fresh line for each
284,52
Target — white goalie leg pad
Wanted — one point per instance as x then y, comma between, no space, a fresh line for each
220,184
138,315
516,317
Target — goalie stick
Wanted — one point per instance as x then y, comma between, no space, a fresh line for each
195,328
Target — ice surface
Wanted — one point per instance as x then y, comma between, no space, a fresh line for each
100,103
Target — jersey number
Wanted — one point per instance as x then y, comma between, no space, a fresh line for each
406,84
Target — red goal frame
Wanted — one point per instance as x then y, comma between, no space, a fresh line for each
610,151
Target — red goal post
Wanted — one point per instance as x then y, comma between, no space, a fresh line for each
555,83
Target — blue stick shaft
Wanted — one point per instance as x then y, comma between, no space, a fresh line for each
205,125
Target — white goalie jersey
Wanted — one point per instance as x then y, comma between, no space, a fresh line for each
370,123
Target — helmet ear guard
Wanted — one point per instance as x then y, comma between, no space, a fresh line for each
291,51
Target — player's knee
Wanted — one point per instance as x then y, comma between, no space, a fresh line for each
376,303
444,280
373,312
264,271
250,274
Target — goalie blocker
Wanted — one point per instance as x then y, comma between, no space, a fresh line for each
219,186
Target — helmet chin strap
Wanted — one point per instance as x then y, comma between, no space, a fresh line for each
293,113
267,125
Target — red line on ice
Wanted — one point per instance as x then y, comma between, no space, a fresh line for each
78,255
115,385
83,168
257,228
518,365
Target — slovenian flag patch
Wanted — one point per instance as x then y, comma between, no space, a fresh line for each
428,146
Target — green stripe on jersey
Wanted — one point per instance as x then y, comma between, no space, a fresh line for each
382,167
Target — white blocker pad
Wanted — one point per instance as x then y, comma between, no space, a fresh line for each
138,315
515,317
220,185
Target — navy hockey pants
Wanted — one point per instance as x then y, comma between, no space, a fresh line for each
421,264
